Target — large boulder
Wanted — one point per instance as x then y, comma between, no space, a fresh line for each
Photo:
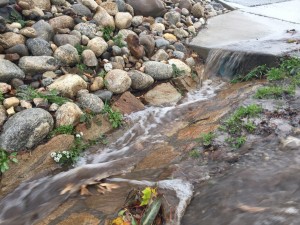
152,8
68,85
9,71
117,81
26,129
38,64
158,70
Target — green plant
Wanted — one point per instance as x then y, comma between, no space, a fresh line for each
52,96
1,97
236,142
80,48
102,73
207,138
83,69
194,153
176,71
5,159
114,117
118,40
87,118
16,17
107,32
274,92
250,126
275,74
256,73
64,129
289,64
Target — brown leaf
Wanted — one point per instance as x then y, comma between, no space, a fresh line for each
108,186
68,188
84,190
251,209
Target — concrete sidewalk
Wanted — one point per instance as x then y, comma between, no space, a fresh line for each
266,29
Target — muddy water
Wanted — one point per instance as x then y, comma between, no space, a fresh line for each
151,150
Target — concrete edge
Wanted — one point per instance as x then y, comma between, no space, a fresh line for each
226,5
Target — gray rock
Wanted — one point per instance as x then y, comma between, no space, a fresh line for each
3,2
63,39
103,19
3,115
82,10
16,83
121,5
178,54
137,20
152,8
90,102
149,44
26,129
116,50
38,64
2,25
117,81
87,29
187,4
158,70
161,42
44,30
39,47
58,2
67,55
105,95
197,10
160,55
9,71
89,58
47,81
181,33
190,62
20,49
139,80
172,17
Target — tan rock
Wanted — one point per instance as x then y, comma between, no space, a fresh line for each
98,45
10,111
10,39
128,103
162,94
68,114
62,22
170,37
11,102
123,20
25,104
97,84
91,4
181,66
5,88
29,32
103,19
110,7
117,81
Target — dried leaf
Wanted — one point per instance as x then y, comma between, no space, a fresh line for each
109,187
84,190
251,209
68,188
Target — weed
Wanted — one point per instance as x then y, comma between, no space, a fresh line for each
207,138
64,129
80,48
16,17
176,71
5,159
1,97
194,154
114,117
274,92
107,33
250,126
256,73
118,40
275,74
52,96
102,73
289,64
236,142
83,69
87,118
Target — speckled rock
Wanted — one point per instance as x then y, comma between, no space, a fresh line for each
160,55
117,81
87,29
43,30
68,114
158,70
90,102
123,20
89,58
10,39
98,45
62,22
67,55
3,115
110,7
103,19
38,64
139,80
39,47
63,39
9,71
197,10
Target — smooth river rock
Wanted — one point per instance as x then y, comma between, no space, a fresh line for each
38,64
9,71
117,81
139,80
26,129
68,114
152,8
158,70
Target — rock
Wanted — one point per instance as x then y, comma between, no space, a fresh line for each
198,10
41,4
12,57
87,29
20,49
58,2
123,20
187,4
3,115
5,88
161,43
91,4
26,129
158,70
158,28
39,47
110,7
28,32
43,30
105,95
149,44
180,47
68,85
103,19
160,55
170,37
178,54
98,45
67,55
185,83
97,84
62,22
16,83
134,46
139,80
10,111
152,8
9,71
121,5
125,33
38,64
172,17
181,66
190,62
68,114
10,39
11,102
3,3
116,50
47,81
89,58
162,94
181,33
90,102
117,81
63,39
290,143
49,74
128,103
82,10
192,29
137,20
185,12
25,104
108,67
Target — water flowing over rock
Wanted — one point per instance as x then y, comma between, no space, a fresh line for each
117,81
38,64
9,71
68,85
162,94
26,129
158,70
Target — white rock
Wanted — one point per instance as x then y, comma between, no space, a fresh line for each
98,45
123,20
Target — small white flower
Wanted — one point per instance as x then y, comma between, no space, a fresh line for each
59,155
56,159
78,135
64,152
81,134
53,154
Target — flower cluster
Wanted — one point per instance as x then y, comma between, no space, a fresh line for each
60,157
